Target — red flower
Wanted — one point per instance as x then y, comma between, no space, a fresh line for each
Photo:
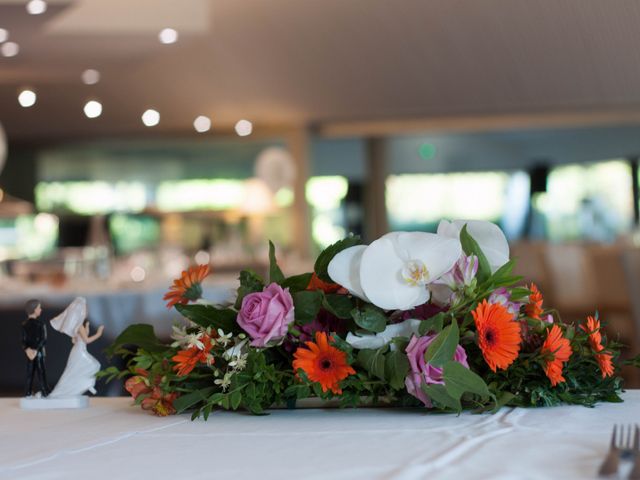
557,351
186,360
499,335
604,359
188,287
155,399
534,308
316,283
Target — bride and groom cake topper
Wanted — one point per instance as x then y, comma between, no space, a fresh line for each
79,375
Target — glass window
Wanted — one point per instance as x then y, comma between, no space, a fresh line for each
325,195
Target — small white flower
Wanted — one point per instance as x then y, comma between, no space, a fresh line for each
223,339
239,363
225,381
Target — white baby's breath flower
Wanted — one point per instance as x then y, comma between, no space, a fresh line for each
225,381
223,339
239,363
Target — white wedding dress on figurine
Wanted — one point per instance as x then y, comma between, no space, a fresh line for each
79,375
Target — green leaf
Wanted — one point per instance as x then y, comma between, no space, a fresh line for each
250,282
275,274
140,335
236,398
433,324
297,282
444,346
373,361
471,247
395,368
438,393
331,251
504,271
307,305
458,379
370,318
209,316
183,402
339,305
519,293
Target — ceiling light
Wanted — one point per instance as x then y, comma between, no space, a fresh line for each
90,76
202,124
10,49
4,35
93,109
36,7
168,36
151,118
27,98
244,128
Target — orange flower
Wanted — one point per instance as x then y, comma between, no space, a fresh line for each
186,360
534,308
155,399
557,349
498,334
187,287
595,340
316,283
605,364
323,363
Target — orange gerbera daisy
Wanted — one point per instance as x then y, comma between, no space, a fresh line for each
595,340
188,287
498,334
557,349
316,283
186,360
323,363
534,308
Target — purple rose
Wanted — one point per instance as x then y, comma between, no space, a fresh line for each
266,315
423,372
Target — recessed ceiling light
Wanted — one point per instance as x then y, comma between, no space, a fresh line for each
36,7
202,124
4,35
10,49
93,109
90,76
27,98
151,118
244,128
168,36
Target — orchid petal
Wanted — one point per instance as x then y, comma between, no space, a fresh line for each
404,329
381,276
438,253
489,237
344,269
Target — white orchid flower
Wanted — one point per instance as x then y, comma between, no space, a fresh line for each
489,237
403,329
394,271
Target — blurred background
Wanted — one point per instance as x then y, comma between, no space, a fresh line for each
142,136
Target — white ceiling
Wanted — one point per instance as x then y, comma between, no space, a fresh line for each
316,61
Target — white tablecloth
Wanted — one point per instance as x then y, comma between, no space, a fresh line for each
111,440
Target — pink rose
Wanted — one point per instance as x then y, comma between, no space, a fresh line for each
423,372
266,315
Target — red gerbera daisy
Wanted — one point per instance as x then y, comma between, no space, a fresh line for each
498,334
323,363
534,308
557,351
188,287
595,340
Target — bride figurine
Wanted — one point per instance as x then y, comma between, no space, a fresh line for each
80,373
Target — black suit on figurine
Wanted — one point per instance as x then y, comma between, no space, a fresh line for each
34,338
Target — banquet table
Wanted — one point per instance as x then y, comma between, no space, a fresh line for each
114,440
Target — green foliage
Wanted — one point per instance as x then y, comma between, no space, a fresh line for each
275,274
442,398
471,247
339,305
140,335
209,316
306,305
396,367
250,282
370,318
373,361
322,263
458,380
297,283
442,349
433,324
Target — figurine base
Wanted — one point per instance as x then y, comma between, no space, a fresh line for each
35,403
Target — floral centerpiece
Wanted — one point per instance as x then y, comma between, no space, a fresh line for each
413,319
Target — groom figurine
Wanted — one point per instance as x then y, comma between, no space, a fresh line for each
34,338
